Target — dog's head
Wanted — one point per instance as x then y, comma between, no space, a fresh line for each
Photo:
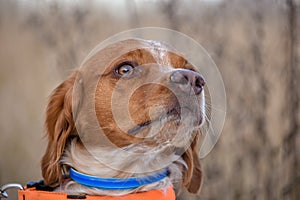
145,94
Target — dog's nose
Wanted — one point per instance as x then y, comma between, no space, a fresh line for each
187,80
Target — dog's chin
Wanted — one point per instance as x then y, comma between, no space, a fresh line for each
171,127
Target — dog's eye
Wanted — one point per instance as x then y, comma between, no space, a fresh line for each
125,69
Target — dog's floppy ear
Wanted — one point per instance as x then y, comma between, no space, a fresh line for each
59,125
192,177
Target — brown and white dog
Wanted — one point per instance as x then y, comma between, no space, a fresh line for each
148,100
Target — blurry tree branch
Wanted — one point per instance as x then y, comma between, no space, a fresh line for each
292,190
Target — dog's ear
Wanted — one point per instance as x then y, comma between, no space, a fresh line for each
192,177
59,125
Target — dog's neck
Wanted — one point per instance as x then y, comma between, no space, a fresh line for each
85,161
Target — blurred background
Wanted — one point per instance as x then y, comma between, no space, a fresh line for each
254,43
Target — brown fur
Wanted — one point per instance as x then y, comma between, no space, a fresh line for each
59,126
61,129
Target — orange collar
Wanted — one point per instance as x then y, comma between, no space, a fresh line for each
33,194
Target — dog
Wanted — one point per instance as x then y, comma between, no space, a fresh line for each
146,101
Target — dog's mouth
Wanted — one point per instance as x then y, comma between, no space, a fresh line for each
176,114
135,130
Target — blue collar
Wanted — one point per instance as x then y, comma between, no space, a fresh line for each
116,183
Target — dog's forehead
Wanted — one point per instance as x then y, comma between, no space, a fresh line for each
104,56
131,44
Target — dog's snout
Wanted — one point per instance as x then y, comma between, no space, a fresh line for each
187,80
